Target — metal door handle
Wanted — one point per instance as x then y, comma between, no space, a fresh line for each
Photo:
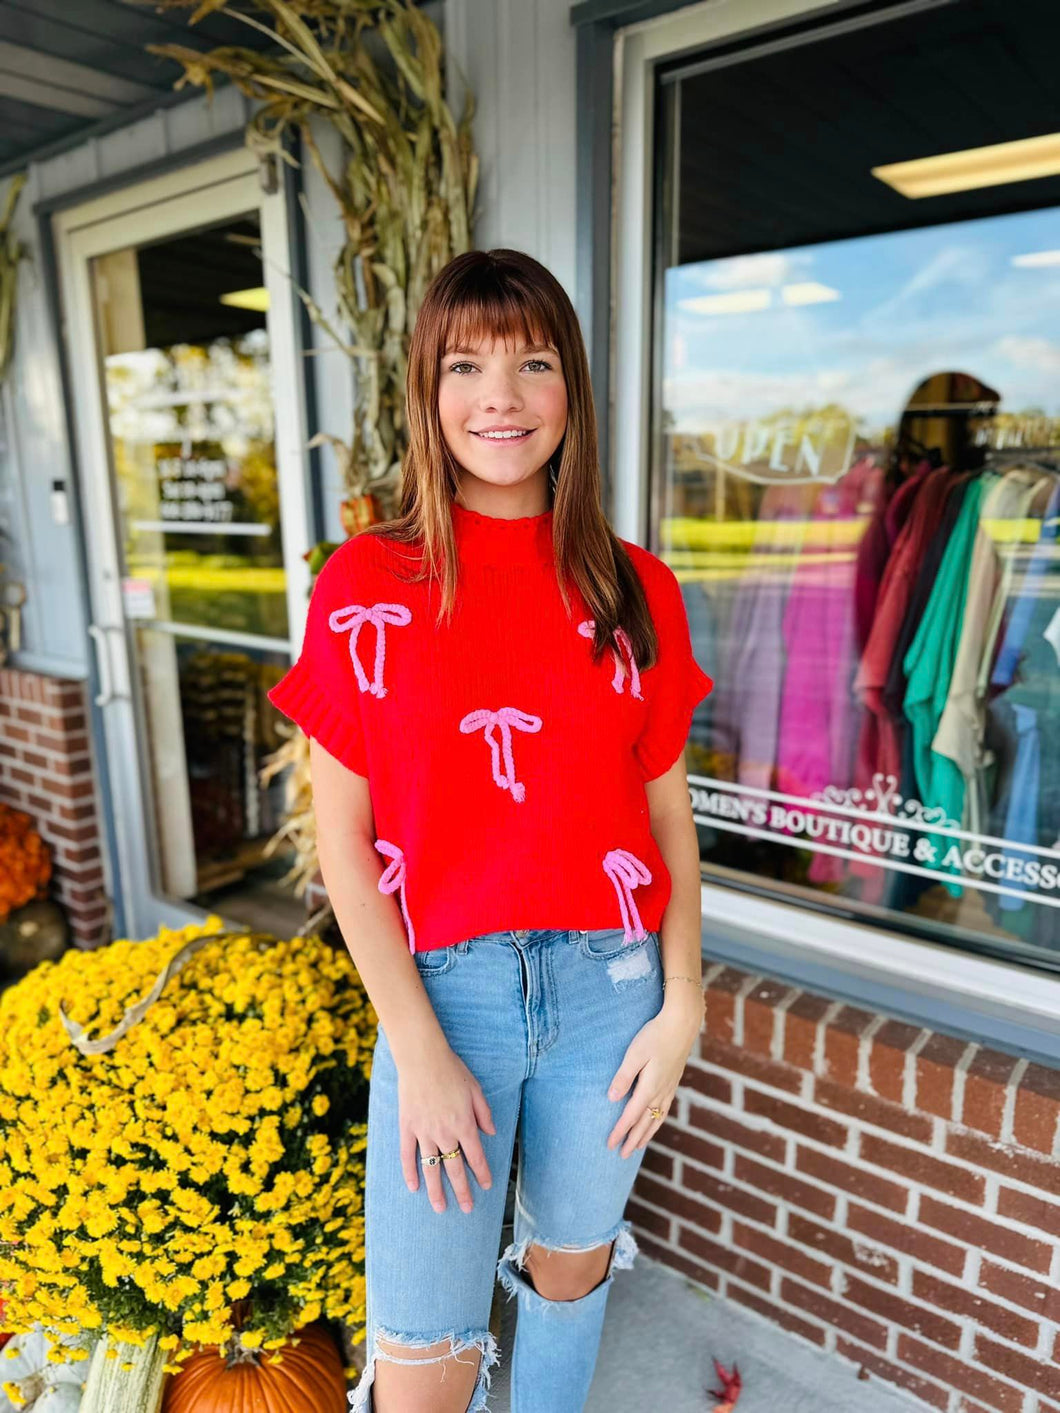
99,637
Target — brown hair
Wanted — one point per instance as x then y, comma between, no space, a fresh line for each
502,294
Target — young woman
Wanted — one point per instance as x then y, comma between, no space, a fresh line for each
498,691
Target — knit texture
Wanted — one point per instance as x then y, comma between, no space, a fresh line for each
506,770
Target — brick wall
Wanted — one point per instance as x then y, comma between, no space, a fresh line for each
887,1193
46,769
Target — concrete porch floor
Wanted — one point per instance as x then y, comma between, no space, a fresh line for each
659,1335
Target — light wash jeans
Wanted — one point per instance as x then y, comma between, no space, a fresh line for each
542,1019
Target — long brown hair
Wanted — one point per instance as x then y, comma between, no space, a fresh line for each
503,294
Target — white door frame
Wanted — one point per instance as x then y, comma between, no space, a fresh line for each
193,196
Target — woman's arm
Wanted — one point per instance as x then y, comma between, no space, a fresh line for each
370,922
674,830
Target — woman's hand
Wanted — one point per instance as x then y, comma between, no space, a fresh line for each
657,1054
440,1107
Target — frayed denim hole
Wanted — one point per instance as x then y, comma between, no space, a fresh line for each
511,1263
360,1399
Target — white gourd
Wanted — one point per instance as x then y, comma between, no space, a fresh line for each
46,1386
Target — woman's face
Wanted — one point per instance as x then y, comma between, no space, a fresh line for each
492,387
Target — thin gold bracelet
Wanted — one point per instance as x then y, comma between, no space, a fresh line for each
697,979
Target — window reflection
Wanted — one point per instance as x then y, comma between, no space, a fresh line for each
860,461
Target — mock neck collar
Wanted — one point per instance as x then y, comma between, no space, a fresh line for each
491,539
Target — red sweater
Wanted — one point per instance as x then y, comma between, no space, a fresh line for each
506,771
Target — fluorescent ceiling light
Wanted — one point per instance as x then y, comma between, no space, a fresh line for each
737,301
257,299
1002,162
1037,259
809,292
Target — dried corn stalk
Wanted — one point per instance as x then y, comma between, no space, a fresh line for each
12,252
405,188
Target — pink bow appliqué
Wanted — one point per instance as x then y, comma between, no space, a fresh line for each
505,718
587,627
392,878
352,619
626,871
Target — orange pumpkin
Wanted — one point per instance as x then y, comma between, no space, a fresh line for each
310,1379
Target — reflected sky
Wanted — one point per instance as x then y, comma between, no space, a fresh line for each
861,322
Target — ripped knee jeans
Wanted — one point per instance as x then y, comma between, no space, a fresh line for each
542,1019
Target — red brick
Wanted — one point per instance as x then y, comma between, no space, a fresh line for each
777,1313
902,1236
689,1145
706,1082
961,1301
748,1204
714,1253
677,1261
887,1057
721,1004
676,1202
647,1220
86,810
870,1110
1037,1108
935,1066
78,856
991,1236
842,1039
931,1394
836,1173
18,733
985,1083
773,1073
1031,1373
1005,1159
790,1258
954,1372
769,1145
814,1302
1042,1300
784,1186
923,1168
30,716
800,1120
800,1029
896,1310
1032,1211
72,789
71,767
759,1011
658,1162
76,833
842,1248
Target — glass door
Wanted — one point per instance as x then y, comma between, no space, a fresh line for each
196,516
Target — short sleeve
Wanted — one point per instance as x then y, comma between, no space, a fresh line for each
676,684
319,692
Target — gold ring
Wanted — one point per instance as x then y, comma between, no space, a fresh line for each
655,1113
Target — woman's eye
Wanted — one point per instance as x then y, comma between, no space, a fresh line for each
456,367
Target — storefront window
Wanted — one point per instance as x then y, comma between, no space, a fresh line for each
857,479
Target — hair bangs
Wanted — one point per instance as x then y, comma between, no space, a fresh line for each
497,313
